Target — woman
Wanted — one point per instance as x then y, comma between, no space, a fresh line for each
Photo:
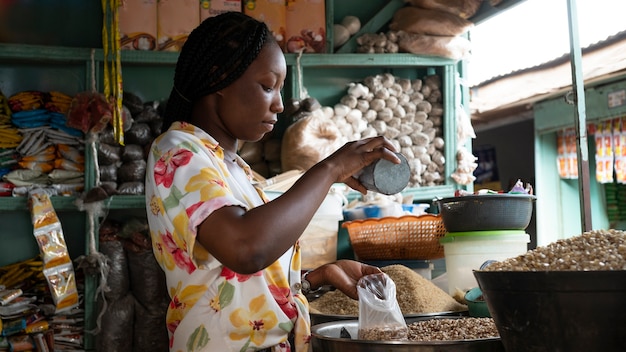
231,257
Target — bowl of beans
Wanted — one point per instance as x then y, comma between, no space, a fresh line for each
566,296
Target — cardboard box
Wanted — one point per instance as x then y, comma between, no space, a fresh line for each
138,24
210,8
175,20
273,13
306,26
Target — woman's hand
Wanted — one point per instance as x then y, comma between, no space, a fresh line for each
342,274
354,156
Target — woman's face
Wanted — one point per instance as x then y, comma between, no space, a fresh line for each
247,109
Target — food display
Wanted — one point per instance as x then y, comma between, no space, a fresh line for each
565,296
450,329
593,250
415,295
442,329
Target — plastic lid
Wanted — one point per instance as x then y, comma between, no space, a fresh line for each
498,237
486,233
385,177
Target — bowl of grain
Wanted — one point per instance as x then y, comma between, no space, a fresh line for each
566,296
416,295
424,334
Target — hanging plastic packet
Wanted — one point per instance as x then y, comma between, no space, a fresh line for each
380,317
57,265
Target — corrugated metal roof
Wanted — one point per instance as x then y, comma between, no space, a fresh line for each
514,93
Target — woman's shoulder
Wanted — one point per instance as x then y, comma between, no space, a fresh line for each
184,136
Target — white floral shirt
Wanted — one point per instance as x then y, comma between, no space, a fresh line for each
212,307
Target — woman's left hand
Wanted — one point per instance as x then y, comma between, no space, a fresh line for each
343,275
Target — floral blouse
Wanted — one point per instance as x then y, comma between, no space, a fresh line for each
213,308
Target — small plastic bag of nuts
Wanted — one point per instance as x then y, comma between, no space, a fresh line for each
380,317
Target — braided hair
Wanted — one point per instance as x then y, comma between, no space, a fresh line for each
216,53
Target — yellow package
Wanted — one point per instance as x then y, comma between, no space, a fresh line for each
210,8
273,13
57,264
62,283
175,20
138,24
306,26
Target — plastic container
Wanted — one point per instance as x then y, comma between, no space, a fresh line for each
394,238
547,311
476,303
385,177
467,251
487,212
415,209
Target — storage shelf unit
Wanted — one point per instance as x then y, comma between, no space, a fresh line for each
84,61
150,74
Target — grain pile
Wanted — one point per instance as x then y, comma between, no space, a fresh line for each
592,250
452,329
415,295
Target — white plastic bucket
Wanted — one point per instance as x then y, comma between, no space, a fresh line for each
467,251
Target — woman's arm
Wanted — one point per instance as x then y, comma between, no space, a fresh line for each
248,241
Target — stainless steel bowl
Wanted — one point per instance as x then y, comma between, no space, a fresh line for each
317,318
326,338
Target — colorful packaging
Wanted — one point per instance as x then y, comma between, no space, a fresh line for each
138,24
210,8
273,13
175,20
306,26
57,265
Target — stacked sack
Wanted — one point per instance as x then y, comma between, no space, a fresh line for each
134,305
48,153
426,27
123,167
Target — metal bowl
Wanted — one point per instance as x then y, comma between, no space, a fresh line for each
317,318
326,338
486,212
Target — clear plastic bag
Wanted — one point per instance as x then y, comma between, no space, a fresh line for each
380,317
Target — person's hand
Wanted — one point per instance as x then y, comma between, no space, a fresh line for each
354,156
344,275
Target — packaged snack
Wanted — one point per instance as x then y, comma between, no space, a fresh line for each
57,265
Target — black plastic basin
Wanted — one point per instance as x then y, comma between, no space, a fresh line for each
567,311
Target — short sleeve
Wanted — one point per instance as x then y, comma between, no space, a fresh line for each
191,182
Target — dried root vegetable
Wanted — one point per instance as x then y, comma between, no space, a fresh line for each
408,112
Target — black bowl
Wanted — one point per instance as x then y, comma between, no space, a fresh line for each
557,310
486,212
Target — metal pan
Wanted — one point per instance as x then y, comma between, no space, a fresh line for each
326,338
317,318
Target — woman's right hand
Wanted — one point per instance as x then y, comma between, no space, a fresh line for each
354,156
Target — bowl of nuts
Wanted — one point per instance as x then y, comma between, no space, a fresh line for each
425,334
566,296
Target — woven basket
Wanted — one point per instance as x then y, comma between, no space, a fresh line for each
404,237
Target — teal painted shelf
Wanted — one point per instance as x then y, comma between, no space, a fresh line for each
21,203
